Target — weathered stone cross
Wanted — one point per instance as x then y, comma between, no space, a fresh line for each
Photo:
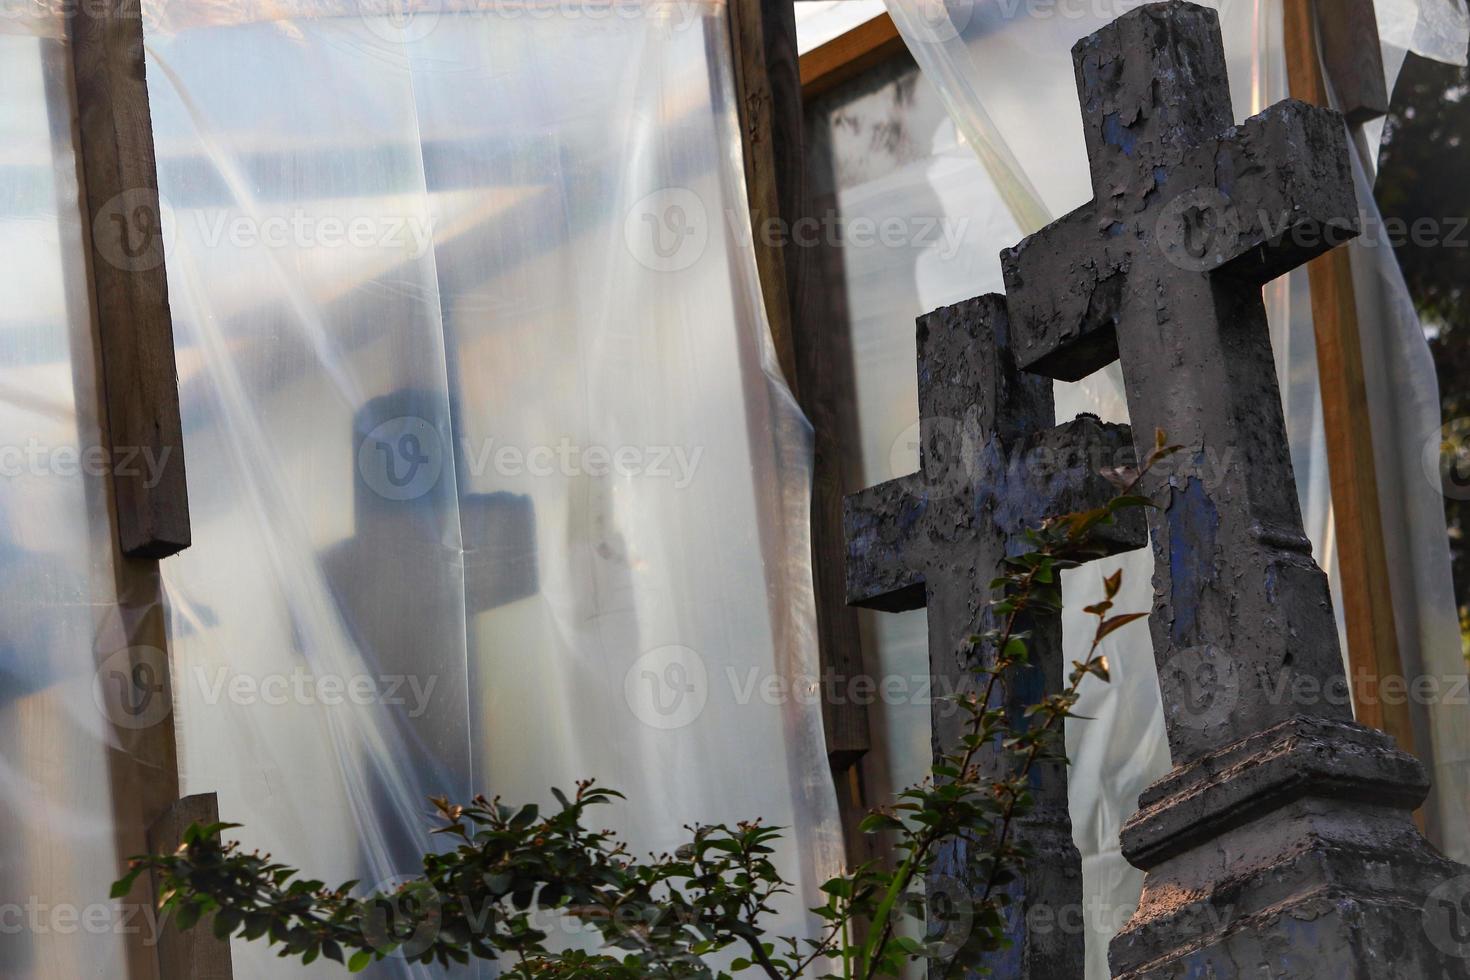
992,464
1281,843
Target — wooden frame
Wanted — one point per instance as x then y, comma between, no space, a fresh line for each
850,54
121,209
137,387
769,91
1373,650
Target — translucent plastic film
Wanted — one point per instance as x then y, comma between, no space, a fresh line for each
494,487
62,631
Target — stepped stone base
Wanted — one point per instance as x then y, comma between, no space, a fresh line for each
1293,854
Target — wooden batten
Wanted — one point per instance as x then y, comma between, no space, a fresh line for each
1373,650
121,209
869,44
194,953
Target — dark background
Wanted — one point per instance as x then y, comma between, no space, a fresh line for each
1424,171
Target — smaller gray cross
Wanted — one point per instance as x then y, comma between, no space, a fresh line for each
993,463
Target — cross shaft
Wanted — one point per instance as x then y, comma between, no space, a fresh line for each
992,464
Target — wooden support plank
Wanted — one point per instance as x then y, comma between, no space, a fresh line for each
849,55
769,86
1373,651
131,663
759,45
115,143
1353,56
194,954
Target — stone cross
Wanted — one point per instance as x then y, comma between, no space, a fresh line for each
1281,843
992,463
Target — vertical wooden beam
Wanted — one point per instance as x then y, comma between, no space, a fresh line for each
127,322
761,51
768,86
195,954
1353,56
115,143
1373,651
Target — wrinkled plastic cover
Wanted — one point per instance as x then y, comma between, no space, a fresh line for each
494,484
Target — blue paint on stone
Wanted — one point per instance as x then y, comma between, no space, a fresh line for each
1194,522
1116,134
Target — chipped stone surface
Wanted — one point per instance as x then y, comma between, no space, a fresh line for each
992,464
1281,845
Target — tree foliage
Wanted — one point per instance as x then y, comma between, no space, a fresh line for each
513,871
1424,177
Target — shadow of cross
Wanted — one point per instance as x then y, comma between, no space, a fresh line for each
992,463
1282,835
394,582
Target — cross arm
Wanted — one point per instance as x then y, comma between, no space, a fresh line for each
878,524
1284,179
1064,291
1058,472
499,542
1253,203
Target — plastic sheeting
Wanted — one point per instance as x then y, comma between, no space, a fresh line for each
1004,73
61,839
494,483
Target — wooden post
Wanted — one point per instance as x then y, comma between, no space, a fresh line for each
195,954
115,144
765,55
127,321
769,88
1354,59
1373,651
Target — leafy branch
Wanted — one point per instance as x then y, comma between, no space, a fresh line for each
514,873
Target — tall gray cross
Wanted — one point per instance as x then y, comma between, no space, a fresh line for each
1282,835
993,462
1191,215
